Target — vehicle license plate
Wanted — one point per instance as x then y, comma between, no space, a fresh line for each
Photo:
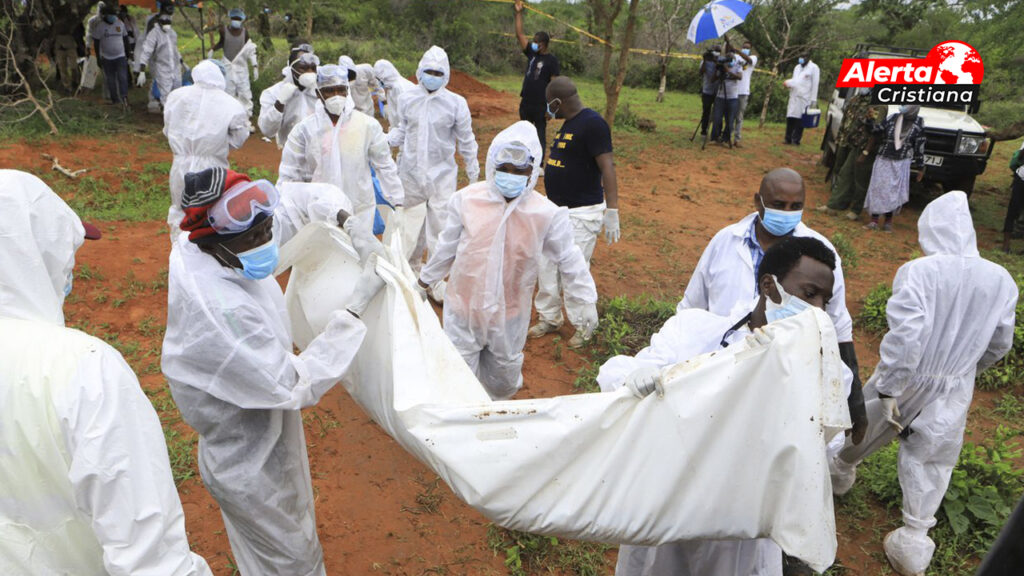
930,160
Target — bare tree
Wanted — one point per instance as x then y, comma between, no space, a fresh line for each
606,12
18,74
668,21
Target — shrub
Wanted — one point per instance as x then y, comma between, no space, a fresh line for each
872,316
847,253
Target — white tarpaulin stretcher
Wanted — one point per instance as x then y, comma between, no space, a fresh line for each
734,449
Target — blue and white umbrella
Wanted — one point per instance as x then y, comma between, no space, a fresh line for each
716,18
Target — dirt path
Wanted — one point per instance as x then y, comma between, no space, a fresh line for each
378,510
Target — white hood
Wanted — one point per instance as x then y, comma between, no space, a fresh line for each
386,72
207,74
945,227
39,235
522,132
435,58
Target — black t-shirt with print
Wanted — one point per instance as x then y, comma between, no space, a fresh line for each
571,175
539,70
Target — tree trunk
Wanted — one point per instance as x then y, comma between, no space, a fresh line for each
768,95
309,21
664,78
612,91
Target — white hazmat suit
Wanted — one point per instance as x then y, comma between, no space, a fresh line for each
237,74
491,246
84,476
951,316
227,355
318,150
394,84
160,53
362,88
803,90
430,127
202,123
278,125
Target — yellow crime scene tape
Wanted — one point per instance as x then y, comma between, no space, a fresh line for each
645,51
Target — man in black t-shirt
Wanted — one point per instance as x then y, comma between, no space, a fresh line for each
579,175
541,68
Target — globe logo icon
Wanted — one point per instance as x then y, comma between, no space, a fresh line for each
956,63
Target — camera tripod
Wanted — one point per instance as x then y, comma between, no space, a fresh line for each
726,118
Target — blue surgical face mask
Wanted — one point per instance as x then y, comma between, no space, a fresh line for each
800,61
534,47
236,24
552,113
70,283
789,306
510,185
259,262
779,222
432,83
746,51
110,18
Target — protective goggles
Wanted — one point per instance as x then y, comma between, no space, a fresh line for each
331,75
306,58
241,204
516,154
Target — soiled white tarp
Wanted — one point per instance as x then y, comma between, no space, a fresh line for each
734,449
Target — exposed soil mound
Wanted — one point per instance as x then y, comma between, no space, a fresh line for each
483,100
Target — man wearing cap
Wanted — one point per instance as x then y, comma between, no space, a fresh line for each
239,55
227,355
202,123
338,144
293,98
86,482
495,233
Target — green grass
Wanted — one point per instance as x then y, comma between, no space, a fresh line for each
527,554
144,195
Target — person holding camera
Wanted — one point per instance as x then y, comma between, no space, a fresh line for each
728,73
708,87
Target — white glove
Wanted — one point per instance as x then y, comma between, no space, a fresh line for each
891,413
397,218
209,54
285,92
368,286
363,239
611,225
255,73
586,320
421,290
642,381
473,176
141,80
759,337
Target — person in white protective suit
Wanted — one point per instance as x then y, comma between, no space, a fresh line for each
293,98
433,121
495,232
227,355
202,123
393,84
86,481
951,316
239,54
160,52
796,274
803,94
338,144
727,274
363,86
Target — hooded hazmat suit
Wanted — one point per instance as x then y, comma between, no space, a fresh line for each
278,125
318,150
951,316
362,88
227,355
237,73
85,480
394,84
201,123
160,52
430,127
491,247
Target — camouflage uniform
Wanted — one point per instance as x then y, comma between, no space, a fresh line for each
851,178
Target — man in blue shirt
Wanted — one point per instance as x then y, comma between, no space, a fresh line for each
541,68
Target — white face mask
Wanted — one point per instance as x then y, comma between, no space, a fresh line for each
166,27
307,80
335,105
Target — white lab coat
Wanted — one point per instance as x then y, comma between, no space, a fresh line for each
160,53
430,126
394,85
951,316
278,125
227,355
690,333
341,154
236,74
492,249
724,277
86,482
803,89
201,122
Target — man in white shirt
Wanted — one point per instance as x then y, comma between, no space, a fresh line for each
749,62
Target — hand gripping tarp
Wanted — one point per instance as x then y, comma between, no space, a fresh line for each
734,449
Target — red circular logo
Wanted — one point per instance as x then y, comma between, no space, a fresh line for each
957,63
